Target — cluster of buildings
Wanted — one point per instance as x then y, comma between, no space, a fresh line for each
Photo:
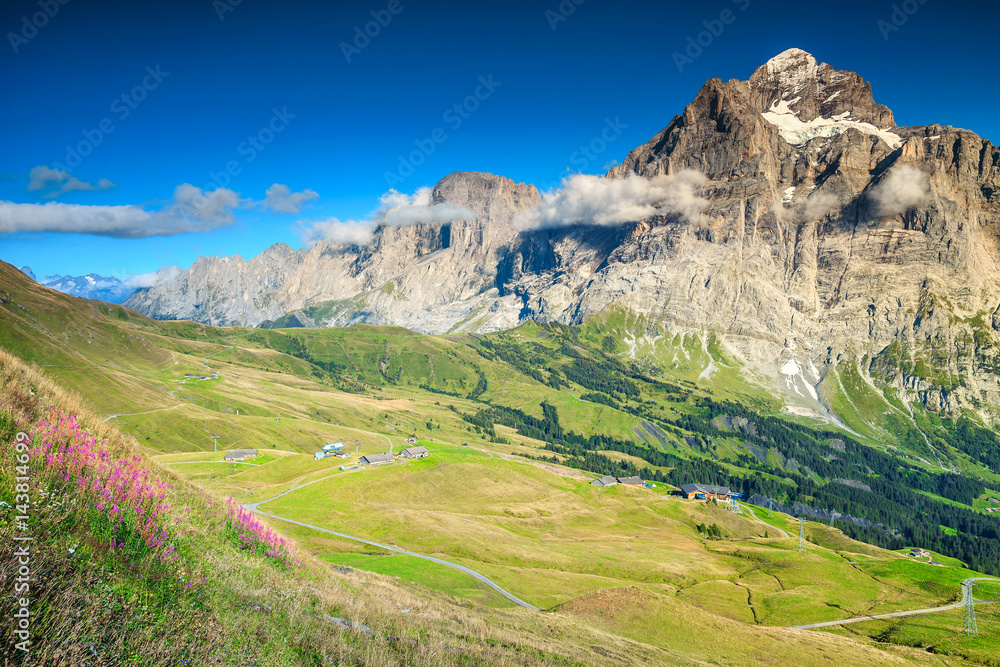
689,491
382,459
331,449
337,449
708,492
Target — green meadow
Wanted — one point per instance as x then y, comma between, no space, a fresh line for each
636,562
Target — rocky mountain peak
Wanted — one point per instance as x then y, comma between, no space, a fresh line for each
792,83
748,128
494,199
791,71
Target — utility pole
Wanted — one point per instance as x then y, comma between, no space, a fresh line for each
802,535
970,612
216,442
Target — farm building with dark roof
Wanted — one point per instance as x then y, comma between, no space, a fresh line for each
377,459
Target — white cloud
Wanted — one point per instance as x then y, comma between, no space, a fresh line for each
337,232
56,217
904,187
190,210
395,209
584,199
395,199
191,203
817,205
399,210
153,278
281,199
60,182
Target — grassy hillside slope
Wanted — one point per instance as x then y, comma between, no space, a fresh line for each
517,422
220,603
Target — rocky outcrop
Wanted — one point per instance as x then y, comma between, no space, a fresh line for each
830,236
223,290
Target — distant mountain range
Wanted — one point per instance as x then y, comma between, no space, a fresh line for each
90,286
787,216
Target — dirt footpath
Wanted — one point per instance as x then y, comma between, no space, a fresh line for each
565,472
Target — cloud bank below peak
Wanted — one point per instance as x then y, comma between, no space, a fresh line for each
152,278
395,209
582,200
585,199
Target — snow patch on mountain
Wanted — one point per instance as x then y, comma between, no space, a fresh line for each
797,132
795,377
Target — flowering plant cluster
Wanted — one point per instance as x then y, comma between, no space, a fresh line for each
125,496
257,538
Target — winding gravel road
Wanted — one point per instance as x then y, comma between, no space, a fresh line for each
966,592
255,507
755,518
462,568
181,463
135,414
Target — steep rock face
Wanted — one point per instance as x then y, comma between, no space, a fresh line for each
222,290
830,236
812,245
426,276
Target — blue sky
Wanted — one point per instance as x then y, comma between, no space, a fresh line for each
534,81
